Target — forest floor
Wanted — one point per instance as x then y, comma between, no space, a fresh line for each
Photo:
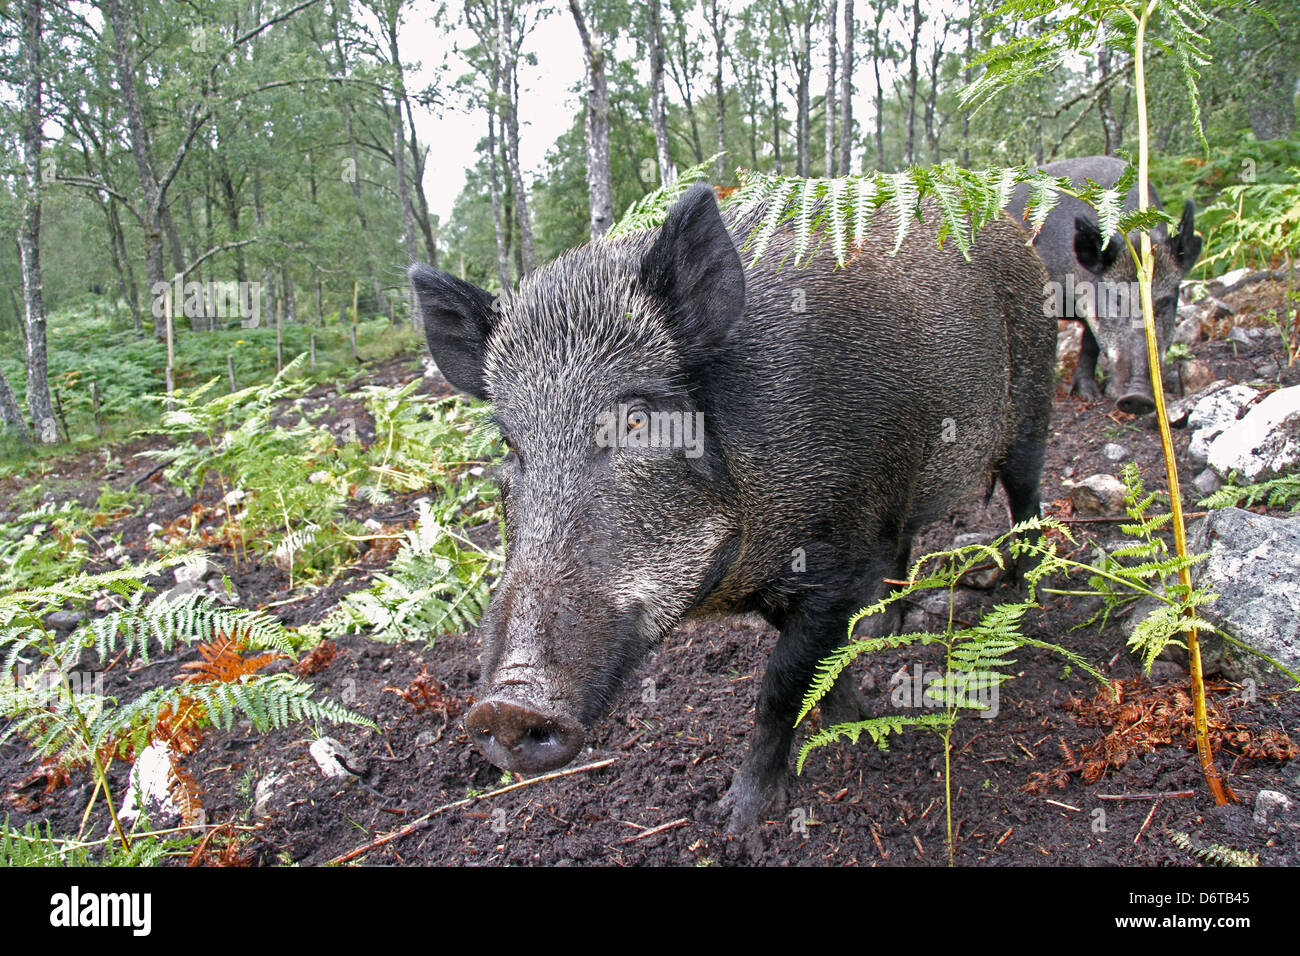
1020,796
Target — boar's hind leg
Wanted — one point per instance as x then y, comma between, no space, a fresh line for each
843,703
1084,383
808,634
1021,472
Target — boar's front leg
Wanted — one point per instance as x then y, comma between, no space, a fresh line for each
1084,383
809,632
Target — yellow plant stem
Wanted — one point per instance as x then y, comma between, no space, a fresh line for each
1146,266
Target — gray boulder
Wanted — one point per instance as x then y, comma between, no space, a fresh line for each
1265,442
1253,565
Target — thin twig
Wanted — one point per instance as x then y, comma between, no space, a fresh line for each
1146,796
1155,805
653,830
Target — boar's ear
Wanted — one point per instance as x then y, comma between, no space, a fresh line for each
693,267
457,318
1185,245
1087,247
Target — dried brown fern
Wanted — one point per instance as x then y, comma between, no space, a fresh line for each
1141,717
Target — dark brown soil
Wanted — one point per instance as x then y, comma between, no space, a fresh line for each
680,731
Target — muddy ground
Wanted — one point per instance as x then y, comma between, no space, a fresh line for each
674,740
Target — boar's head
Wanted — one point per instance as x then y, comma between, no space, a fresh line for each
616,500
1116,318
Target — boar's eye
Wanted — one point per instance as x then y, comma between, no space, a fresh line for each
637,419
513,452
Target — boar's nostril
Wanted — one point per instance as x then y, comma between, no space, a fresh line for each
517,737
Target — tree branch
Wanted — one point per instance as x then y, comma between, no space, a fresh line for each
212,252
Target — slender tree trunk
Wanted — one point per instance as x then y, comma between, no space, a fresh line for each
1111,130
913,79
403,187
774,88
290,300
419,159
352,171
139,136
933,128
173,240
968,76
498,212
39,402
682,73
832,81
801,58
527,255
846,94
717,26
880,103
600,196
658,105
10,414
399,146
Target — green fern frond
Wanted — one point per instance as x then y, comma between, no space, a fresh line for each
1280,492
829,670
1215,853
36,845
878,728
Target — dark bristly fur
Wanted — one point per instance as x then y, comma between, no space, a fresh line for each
842,409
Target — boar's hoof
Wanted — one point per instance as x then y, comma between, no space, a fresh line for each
748,800
1086,387
515,737
1137,403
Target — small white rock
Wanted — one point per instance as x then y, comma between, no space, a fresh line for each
327,751
1270,804
1114,452
1098,495
148,787
1207,482
264,793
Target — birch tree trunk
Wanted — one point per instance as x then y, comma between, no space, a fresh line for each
527,254
10,414
139,136
832,81
876,53
600,197
39,402
774,88
967,76
658,106
498,212
846,94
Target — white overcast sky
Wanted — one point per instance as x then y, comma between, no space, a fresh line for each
546,109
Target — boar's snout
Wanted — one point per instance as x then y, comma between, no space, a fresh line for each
1136,396
518,738
1137,402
